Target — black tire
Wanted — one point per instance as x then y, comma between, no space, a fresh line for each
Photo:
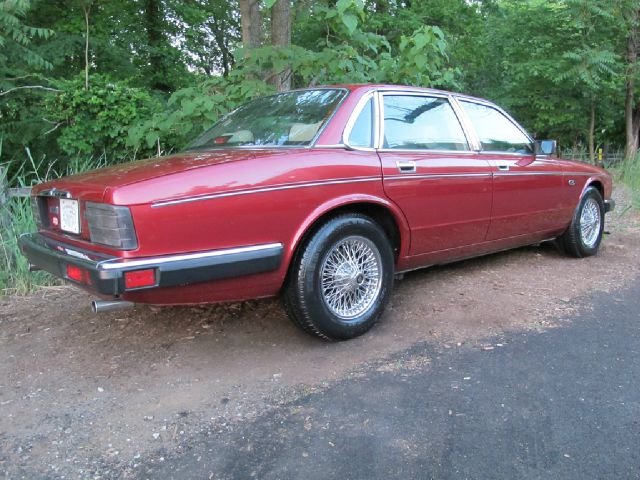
307,299
573,241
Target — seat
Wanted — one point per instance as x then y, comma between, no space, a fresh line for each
303,132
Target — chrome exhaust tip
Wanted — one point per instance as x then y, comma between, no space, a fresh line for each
99,306
33,268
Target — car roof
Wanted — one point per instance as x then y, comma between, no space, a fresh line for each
408,88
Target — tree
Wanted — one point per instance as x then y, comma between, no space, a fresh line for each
252,31
632,110
281,37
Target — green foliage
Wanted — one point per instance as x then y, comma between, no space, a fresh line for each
347,55
16,36
96,120
186,61
629,174
189,111
567,65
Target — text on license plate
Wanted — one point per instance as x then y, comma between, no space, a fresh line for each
69,218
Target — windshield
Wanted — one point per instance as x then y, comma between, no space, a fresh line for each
291,118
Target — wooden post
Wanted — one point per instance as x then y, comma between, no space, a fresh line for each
4,198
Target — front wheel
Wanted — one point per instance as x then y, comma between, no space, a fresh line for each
341,279
584,235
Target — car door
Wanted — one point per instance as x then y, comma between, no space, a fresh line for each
430,171
527,190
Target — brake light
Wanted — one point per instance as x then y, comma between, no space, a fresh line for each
140,278
77,274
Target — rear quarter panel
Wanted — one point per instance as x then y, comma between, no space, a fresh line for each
273,196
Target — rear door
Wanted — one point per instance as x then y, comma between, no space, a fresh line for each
527,190
432,173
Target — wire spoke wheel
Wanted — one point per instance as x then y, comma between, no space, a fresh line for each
590,221
351,277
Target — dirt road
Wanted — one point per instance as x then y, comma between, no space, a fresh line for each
82,395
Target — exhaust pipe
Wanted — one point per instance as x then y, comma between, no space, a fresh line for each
33,268
99,306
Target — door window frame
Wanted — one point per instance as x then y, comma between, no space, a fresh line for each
459,98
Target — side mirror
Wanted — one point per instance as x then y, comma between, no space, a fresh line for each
546,147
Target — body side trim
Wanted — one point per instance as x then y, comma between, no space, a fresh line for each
287,186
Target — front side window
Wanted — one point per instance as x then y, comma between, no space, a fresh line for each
290,118
496,132
421,123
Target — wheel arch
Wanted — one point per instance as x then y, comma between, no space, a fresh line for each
386,214
594,182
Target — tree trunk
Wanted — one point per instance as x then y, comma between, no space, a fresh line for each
87,9
632,115
251,17
153,19
227,57
281,37
592,129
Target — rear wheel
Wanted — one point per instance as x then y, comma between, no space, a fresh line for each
584,235
341,279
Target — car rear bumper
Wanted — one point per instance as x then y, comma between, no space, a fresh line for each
609,205
106,275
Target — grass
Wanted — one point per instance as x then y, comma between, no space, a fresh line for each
629,173
17,216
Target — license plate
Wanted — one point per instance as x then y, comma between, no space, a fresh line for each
69,218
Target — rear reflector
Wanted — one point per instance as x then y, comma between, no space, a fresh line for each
77,274
140,278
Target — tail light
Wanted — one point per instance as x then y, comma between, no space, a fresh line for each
110,225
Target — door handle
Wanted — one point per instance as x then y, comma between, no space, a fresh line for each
503,167
406,166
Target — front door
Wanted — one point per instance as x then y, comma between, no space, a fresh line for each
527,191
430,171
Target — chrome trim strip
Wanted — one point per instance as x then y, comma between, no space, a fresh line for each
435,176
366,98
473,142
123,263
337,145
524,174
265,189
425,151
54,192
519,174
489,104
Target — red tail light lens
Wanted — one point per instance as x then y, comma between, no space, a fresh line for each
140,278
77,274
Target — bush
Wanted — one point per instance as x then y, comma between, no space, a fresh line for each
95,121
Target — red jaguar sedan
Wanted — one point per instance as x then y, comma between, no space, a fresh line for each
323,195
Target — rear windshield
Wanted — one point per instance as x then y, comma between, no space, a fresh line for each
291,118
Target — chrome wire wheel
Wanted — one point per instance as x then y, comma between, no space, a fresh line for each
590,222
351,277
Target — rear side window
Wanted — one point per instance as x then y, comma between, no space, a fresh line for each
362,132
496,132
421,123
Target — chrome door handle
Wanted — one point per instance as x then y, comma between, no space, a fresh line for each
406,166
503,167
